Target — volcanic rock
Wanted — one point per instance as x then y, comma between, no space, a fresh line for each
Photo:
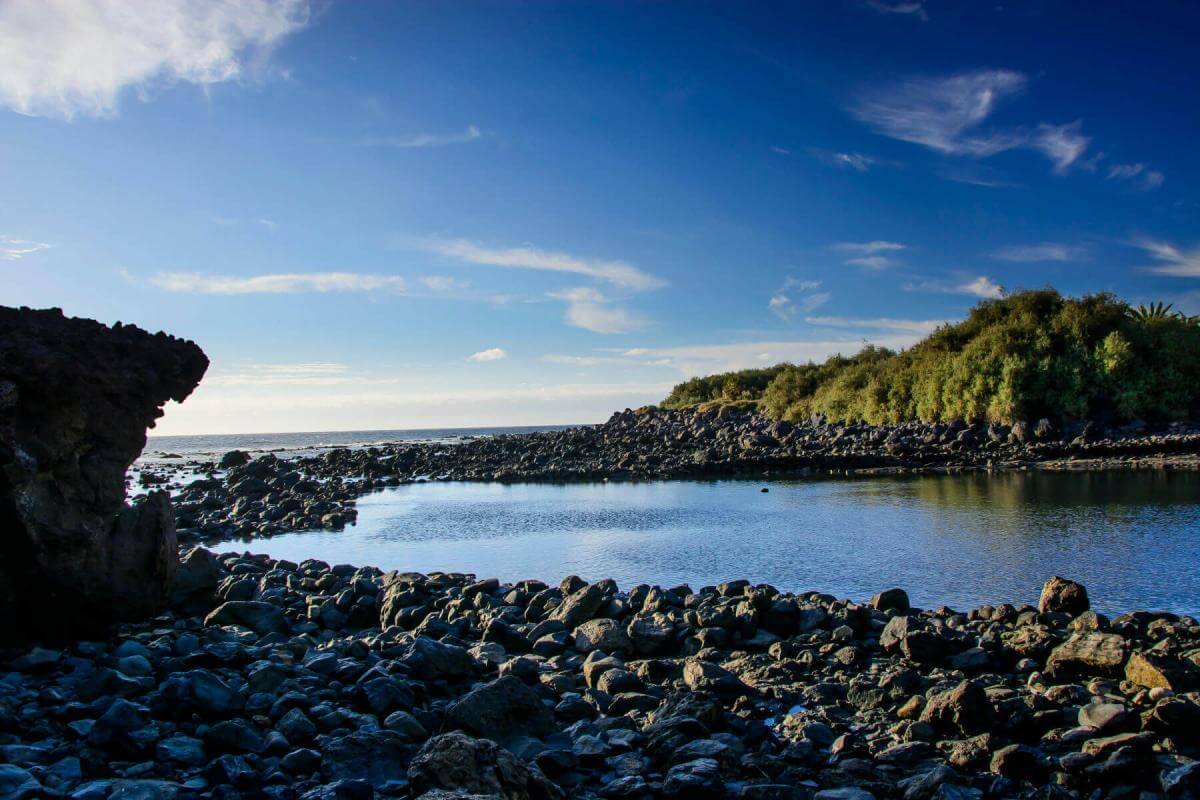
76,398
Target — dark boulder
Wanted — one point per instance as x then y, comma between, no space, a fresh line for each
378,757
76,398
258,616
501,709
963,710
459,764
891,599
1060,594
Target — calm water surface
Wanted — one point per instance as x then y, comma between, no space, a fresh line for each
1132,539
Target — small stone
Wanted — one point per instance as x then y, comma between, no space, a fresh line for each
1018,761
1104,717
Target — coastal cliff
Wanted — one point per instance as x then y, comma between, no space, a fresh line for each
76,398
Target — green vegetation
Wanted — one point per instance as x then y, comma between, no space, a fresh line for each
727,387
1029,355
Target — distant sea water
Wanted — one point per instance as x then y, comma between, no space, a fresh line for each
166,449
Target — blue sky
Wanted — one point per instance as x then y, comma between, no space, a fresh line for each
398,215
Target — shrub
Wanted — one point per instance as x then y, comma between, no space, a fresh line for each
1031,354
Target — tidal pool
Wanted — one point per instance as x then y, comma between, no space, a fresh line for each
1133,538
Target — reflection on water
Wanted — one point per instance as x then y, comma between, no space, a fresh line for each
1132,538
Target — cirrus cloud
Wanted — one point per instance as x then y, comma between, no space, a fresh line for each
1043,251
13,249
869,254
619,273
948,115
278,283
1172,260
426,139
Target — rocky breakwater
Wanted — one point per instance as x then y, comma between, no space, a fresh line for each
271,679
76,398
241,497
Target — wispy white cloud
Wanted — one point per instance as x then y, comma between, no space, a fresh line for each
867,248
426,139
975,174
796,297
279,283
944,114
1062,144
783,151
491,354
1172,260
64,58
913,8
1144,177
947,115
619,273
304,374
269,224
580,361
1043,251
917,326
13,249
855,161
630,358
592,311
977,286
444,283
869,254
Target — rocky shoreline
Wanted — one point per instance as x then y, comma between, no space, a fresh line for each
242,498
128,673
270,679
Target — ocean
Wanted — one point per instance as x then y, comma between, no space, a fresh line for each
173,449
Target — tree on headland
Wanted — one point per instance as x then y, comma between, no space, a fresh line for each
1028,355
